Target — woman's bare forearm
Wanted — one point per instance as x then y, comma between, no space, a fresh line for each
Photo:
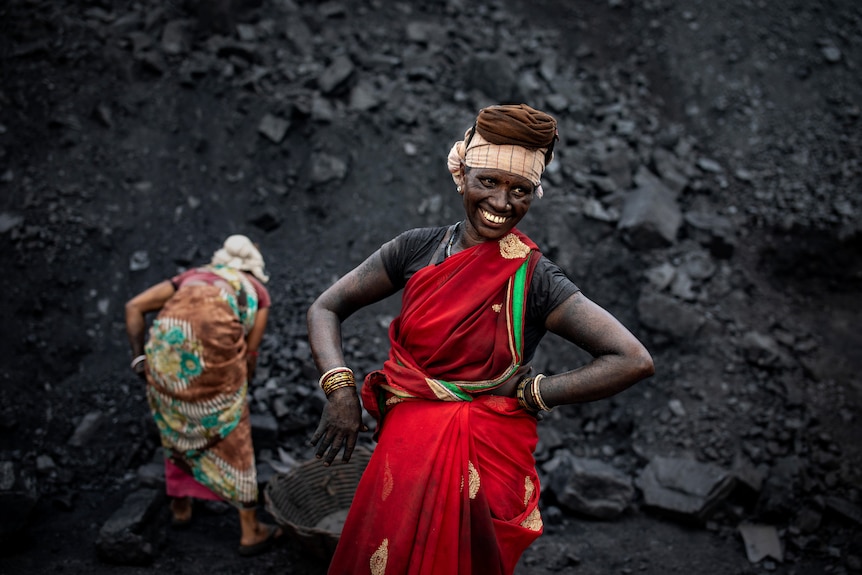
324,337
603,377
619,359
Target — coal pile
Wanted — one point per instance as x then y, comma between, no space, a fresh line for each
706,190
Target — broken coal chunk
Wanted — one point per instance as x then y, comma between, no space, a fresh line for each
273,127
131,535
265,221
86,429
140,260
684,488
761,541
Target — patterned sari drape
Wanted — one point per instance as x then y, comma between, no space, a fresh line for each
197,384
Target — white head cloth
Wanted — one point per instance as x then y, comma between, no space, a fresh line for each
483,154
240,253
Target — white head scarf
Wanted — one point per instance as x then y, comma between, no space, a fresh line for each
240,253
480,153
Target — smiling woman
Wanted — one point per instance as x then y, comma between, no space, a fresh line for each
452,485
494,202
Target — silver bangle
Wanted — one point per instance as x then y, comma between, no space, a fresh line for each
138,360
537,393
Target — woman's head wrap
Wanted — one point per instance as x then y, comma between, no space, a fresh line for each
515,138
240,253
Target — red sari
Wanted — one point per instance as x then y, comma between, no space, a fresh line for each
452,486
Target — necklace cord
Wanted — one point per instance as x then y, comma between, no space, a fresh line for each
452,239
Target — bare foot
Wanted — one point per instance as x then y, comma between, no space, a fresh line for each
261,533
181,507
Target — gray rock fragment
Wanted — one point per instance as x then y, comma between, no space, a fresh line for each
715,232
590,487
709,165
422,32
299,36
845,509
698,265
364,96
45,464
336,75
669,316
611,158
684,488
761,541
661,276
831,53
102,113
273,127
762,350
492,75
326,169
670,170
132,534
8,222
650,217
683,286
175,39
778,498
246,32
152,474
86,429
140,260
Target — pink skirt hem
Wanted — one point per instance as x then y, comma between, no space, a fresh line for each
178,483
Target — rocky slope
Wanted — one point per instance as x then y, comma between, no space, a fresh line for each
706,191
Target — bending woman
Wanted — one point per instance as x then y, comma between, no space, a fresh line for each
452,486
199,357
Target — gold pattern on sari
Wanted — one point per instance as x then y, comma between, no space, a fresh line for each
533,522
497,307
379,558
388,481
473,480
496,402
512,248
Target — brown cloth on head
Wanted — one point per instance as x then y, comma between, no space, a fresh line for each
517,125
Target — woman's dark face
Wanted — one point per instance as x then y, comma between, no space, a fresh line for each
494,202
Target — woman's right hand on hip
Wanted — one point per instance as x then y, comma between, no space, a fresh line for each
339,426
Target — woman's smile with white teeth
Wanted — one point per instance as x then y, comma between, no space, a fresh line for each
492,218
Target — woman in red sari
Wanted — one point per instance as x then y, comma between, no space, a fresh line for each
452,487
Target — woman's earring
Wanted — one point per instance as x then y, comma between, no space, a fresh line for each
459,189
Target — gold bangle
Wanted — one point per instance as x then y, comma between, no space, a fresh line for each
537,393
520,394
336,379
333,371
329,390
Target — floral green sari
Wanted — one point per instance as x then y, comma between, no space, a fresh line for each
197,382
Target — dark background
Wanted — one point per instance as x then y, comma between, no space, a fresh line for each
134,137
